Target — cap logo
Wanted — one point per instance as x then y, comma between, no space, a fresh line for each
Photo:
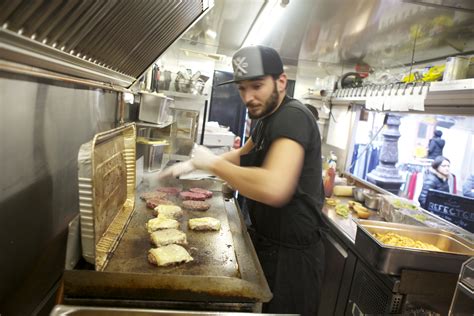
240,65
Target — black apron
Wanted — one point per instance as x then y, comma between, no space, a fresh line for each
294,272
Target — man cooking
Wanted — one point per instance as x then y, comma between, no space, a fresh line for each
279,172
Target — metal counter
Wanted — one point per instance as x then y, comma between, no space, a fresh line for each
361,288
346,227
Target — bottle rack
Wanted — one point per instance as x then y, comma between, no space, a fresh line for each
393,89
456,95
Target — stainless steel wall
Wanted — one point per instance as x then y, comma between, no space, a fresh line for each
42,125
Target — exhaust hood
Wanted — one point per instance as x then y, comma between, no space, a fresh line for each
108,41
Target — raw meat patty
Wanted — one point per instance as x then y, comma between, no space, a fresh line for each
192,196
207,193
168,255
170,190
152,195
196,205
152,203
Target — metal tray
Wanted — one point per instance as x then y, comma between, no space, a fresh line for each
392,260
106,191
390,213
63,310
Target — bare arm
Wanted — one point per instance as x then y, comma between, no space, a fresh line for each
233,156
273,183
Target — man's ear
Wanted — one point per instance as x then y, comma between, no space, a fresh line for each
281,82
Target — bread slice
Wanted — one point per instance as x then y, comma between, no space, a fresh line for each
168,211
168,236
204,223
168,255
161,223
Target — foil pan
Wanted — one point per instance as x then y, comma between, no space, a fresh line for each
106,191
392,260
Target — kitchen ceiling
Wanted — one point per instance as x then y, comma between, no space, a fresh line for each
380,33
224,28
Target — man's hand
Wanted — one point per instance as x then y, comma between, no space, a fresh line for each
177,169
203,158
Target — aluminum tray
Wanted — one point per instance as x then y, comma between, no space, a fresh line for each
106,191
408,216
392,260
63,310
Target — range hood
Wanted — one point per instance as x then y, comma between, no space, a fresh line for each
108,41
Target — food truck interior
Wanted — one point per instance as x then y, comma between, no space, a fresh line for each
131,86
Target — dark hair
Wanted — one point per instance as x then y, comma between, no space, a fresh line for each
313,110
438,133
438,161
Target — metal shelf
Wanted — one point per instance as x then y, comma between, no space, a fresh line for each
456,95
153,125
175,94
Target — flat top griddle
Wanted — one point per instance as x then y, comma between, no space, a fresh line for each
225,267
213,252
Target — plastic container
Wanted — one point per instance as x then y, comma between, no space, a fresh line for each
329,182
154,108
456,68
372,200
359,194
152,152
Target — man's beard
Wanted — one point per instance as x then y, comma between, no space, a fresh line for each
270,104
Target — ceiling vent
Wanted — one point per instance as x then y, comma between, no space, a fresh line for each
109,41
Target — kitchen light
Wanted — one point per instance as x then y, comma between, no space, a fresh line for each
264,23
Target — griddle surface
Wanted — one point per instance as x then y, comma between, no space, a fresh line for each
213,252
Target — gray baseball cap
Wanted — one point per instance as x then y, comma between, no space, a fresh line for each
253,62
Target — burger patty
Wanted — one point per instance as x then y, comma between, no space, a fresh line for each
196,205
192,196
152,195
207,193
170,190
154,202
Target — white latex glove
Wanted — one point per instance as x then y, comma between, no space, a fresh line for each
177,169
203,158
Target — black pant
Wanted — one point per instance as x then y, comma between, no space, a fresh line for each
293,275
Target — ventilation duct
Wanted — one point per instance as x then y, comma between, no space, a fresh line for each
109,41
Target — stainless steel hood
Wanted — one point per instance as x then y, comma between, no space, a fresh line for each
332,33
109,41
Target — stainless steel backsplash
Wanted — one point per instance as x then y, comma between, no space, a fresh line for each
42,125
